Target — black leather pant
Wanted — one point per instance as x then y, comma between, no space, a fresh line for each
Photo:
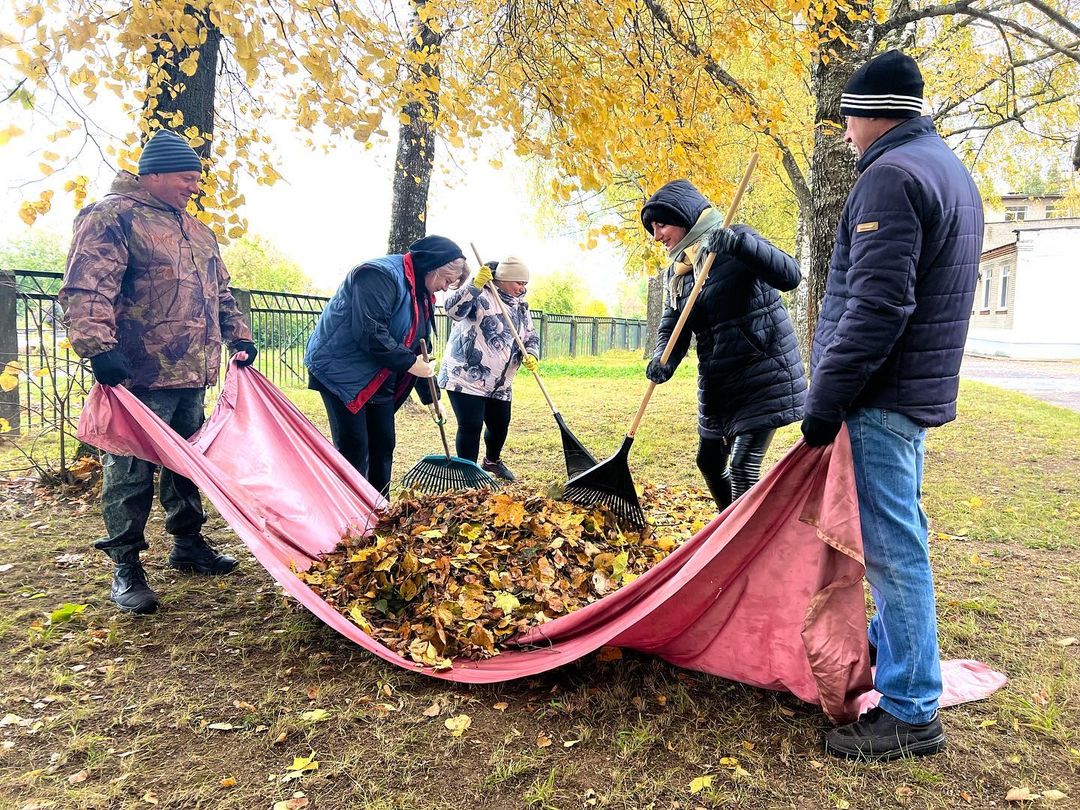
732,467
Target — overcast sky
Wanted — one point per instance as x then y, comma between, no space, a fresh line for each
332,211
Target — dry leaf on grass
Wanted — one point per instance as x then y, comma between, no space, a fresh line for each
701,783
79,777
458,724
434,710
1020,794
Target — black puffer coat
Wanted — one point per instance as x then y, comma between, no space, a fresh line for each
750,374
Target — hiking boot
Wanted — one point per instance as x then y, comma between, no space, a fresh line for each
498,469
879,737
129,589
193,554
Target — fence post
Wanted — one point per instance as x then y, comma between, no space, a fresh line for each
573,336
594,337
541,332
9,345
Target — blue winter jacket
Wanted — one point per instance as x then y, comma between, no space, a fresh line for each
901,283
339,351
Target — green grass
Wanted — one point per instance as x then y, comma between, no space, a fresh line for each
130,701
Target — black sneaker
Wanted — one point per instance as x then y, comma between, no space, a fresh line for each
877,736
498,469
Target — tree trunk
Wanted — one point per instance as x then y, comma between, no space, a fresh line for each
832,173
192,97
416,138
654,309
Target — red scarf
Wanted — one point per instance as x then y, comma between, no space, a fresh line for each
406,380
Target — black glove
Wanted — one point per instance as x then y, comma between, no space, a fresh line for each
659,372
111,367
819,432
724,241
424,392
245,346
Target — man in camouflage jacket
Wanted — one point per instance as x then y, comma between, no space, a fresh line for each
146,299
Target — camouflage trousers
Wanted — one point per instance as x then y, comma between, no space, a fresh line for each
127,490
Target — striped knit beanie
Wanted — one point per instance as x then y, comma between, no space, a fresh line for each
167,152
888,86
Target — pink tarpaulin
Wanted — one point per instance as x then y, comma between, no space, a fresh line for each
770,593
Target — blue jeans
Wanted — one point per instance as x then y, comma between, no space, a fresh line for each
887,450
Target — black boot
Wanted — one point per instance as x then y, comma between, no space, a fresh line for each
192,553
129,589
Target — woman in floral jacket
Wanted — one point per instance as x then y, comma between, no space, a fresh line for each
482,358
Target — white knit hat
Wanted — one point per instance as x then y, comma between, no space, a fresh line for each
512,269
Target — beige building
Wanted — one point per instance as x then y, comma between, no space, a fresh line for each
1020,212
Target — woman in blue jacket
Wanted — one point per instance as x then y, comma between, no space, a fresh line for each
750,375
363,357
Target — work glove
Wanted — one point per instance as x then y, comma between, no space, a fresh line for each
820,432
110,368
723,241
247,347
658,372
482,277
423,390
531,363
423,368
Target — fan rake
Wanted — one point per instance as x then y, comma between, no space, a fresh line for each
442,472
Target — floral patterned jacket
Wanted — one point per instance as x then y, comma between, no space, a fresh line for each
482,356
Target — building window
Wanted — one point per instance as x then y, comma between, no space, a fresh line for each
988,279
1054,210
1015,213
1003,293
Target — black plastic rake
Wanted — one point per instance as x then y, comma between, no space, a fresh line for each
442,472
610,481
577,458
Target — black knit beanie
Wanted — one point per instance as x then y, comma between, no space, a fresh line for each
166,152
888,86
432,252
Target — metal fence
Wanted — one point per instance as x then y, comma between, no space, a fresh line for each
52,382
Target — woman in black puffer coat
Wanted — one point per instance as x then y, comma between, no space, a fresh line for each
750,376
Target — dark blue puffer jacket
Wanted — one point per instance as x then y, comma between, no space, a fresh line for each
750,374
901,283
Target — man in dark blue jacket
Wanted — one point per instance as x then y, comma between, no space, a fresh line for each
886,361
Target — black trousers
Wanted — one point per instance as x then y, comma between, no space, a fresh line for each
366,438
127,489
732,467
474,413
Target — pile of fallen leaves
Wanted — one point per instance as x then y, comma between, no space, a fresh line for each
455,575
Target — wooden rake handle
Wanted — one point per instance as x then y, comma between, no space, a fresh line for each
510,325
440,421
692,299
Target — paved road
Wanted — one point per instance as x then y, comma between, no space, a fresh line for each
1055,382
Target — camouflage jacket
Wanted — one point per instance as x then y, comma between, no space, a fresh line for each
149,280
